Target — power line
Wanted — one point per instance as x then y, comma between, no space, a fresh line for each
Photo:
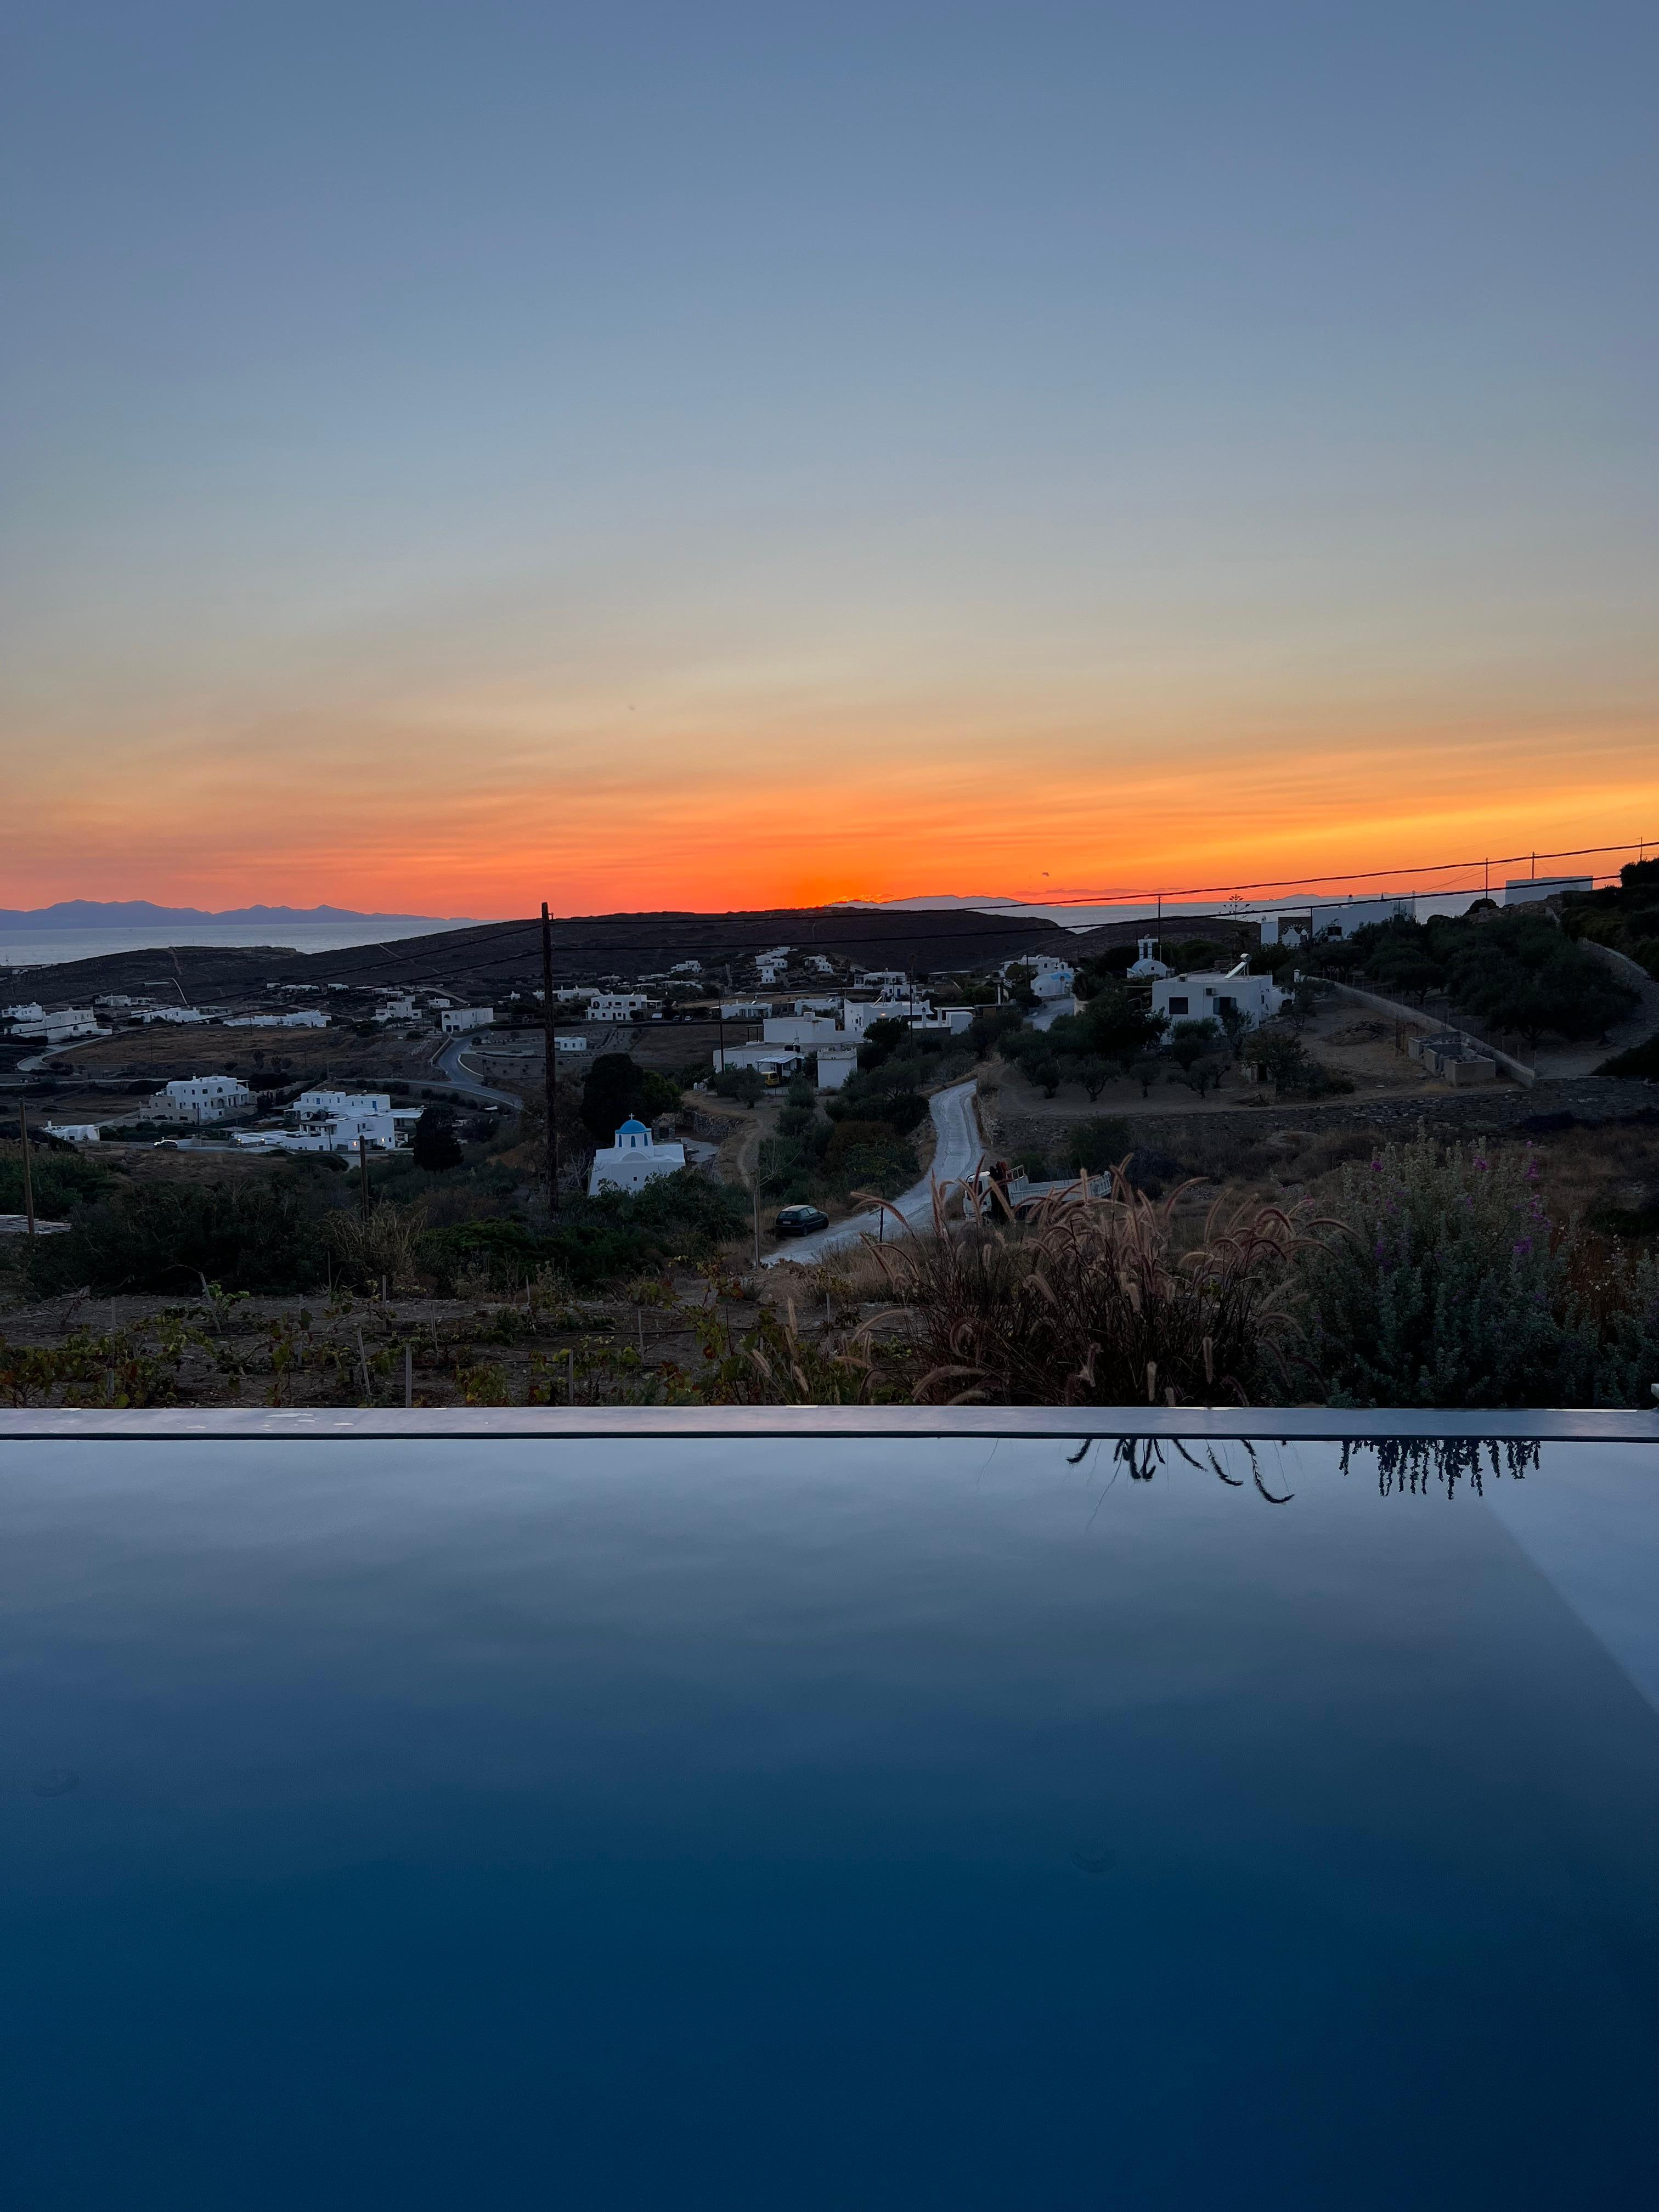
1111,896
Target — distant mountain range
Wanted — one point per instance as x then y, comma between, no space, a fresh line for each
129,913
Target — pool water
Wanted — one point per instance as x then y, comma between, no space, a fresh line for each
826,1823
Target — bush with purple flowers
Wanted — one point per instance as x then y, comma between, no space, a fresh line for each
1451,1286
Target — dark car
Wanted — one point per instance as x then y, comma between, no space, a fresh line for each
800,1221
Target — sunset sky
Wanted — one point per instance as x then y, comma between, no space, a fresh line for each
703,454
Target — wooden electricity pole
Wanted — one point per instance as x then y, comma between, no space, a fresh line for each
28,1180
363,1167
549,1071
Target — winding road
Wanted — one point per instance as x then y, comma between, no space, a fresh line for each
456,1072
956,1156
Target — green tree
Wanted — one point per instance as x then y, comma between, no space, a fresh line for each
436,1146
1117,1027
1191,1041
745,1084
608,1093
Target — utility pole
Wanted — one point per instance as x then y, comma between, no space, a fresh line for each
551,1086
28,1180
757,1177
362,1169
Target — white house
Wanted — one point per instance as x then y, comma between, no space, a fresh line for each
634,1159
835,1063
455,1020
74,1133
799,1028
343,1118
616,1005
322,1105
201,1098
569,1044
883,979
820,963
56,1025
1054,982
1338,918
824,1006
1210,992
743,1010
178,1014
686,967
395,1010
298,1018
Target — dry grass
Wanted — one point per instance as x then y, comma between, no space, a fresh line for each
1094,1302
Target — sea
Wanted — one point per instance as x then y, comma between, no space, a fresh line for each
21,948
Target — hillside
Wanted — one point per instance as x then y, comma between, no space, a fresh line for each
479,962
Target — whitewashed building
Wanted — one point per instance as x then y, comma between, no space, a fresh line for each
322,1105
1209,994
456,1020
835,1063
617,1005
200,1099
632,1159
55,1025
1338,918
298,1018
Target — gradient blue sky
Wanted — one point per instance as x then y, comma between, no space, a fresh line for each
460,454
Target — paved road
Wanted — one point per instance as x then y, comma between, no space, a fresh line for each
456,1071
958,1153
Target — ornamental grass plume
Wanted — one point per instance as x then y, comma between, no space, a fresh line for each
1090,1303
1454,1286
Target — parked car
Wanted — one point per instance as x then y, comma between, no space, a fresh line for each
800,1221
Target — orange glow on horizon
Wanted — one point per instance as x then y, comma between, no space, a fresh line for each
891,820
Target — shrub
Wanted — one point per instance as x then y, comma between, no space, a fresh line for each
1092,1306
380,1246
172,1236
59,1178
1450,1286
745,1084
1096,1143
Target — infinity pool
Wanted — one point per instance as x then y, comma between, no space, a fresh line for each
804,1822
